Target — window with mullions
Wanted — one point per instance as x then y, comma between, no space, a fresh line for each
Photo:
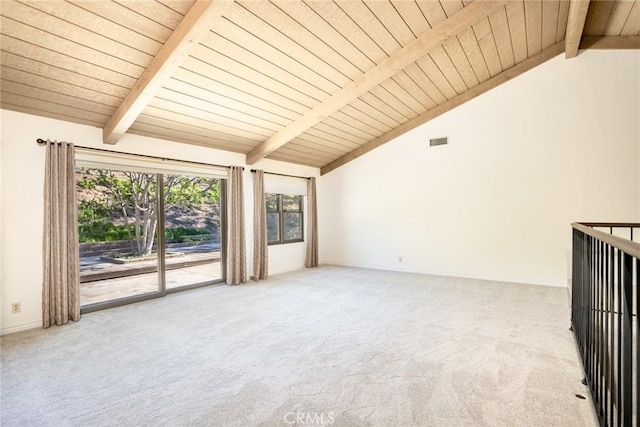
284,218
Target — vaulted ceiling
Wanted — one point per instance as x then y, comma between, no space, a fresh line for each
317,83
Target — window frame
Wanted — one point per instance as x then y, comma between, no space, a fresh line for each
161,271
281,211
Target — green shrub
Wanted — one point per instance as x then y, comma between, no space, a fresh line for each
100,230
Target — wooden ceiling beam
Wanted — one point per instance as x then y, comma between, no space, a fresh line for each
575,25
406,56
622,42
449,105
189,31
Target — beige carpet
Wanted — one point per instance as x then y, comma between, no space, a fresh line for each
328,346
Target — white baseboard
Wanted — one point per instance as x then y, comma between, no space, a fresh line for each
286,269
452,274
21,327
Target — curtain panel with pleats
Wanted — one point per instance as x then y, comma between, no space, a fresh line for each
260,247
236,246
61,271
311,259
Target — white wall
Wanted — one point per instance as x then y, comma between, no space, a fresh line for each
556,145
2,242
21,217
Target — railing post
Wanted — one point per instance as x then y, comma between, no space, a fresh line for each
607,403
627,374
618,346
590,314
636,342
597,323
586,276
576,280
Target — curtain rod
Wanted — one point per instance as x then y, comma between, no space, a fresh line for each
42,142
283,174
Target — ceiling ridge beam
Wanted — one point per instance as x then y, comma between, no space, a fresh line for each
575,26
474,92
185,36
609,42
406,56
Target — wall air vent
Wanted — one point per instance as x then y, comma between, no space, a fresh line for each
437,141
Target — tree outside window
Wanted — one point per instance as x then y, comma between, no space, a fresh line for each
284,218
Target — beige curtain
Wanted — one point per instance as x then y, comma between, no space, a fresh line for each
236,250
260,252
311,259
61,283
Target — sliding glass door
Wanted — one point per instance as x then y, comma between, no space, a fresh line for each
192,229
143,234
117,229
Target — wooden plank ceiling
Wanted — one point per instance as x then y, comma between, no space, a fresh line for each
316,83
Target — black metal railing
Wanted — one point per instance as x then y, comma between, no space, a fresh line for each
604,304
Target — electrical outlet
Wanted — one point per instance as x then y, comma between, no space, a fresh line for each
399,259
15,307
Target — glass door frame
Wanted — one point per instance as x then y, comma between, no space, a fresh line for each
161,259
223,253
